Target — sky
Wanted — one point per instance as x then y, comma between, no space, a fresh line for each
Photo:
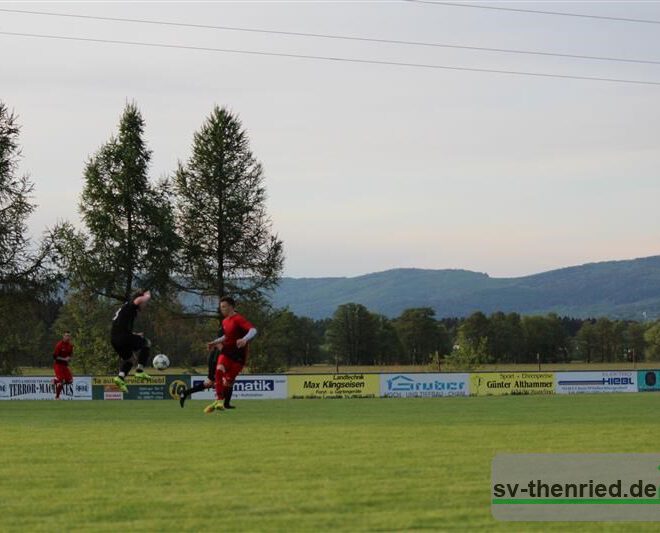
369,167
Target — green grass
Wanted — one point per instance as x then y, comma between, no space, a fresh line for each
293,465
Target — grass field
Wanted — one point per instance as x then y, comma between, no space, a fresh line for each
294,465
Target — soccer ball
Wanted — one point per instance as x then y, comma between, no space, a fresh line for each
161,362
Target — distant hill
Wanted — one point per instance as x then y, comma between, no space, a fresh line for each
618,289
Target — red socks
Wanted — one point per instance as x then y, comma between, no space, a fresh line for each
219,384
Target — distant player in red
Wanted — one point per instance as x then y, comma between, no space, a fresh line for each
237,333
62,358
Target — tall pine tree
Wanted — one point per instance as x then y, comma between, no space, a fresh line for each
130,239
23,263
227,242
26,276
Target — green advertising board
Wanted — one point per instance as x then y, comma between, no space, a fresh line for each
162,387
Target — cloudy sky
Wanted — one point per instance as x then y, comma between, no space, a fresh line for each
370,167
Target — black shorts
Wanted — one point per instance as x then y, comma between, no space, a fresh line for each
235,353
126,346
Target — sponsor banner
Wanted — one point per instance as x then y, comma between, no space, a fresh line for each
334,386
501,383
590,382
160,388
176,384
648,380
42,388
424,385
249,387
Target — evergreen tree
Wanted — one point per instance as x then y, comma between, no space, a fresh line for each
352,335
130,239
26,276
420,334
24,265
388,349
227,243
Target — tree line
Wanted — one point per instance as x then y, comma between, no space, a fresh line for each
356,336
352,336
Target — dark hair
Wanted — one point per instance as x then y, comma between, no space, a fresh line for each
67,332
137,293
229,300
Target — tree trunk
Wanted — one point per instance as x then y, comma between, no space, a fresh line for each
129,245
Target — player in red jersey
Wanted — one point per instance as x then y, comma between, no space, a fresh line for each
237,333
62,357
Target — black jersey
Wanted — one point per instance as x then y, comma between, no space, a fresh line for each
122,323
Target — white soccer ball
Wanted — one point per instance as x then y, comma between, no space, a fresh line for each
161,362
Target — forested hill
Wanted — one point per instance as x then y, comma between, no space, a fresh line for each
618,289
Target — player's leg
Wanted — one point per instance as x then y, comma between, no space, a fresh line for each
58,388
220,370
207,384
126,354
234,369
142,346
229,391
57,381
66,376
199,387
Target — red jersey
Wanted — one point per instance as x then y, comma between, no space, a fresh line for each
63,352
233,328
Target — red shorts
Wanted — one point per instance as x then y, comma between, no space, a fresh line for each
232,368
62,373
